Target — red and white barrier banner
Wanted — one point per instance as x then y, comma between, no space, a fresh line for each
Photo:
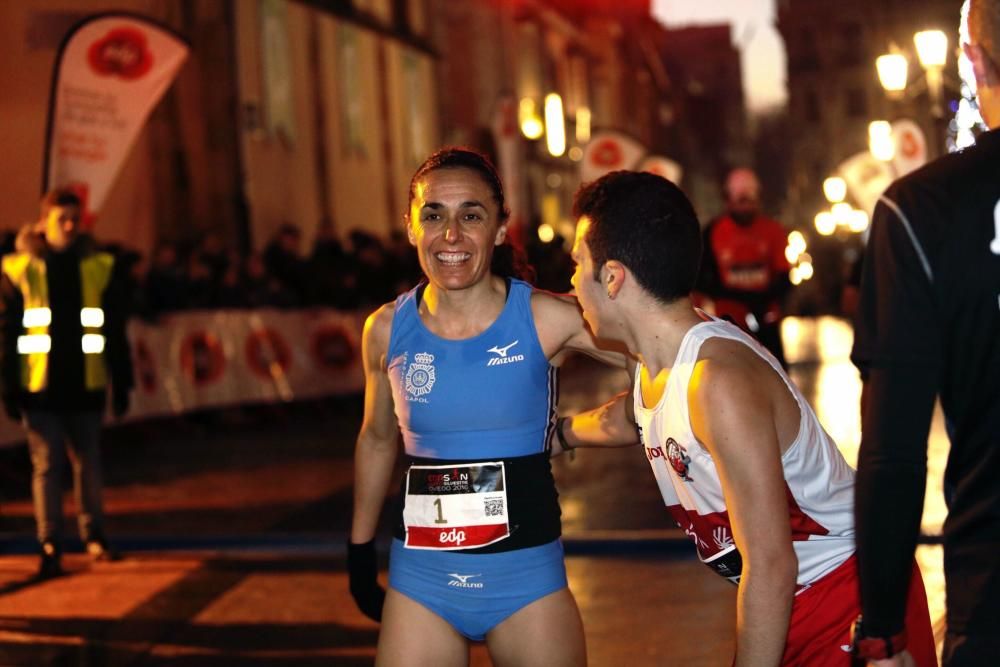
110,72
209,359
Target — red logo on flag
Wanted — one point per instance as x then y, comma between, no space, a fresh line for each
910,147
607,154
122,52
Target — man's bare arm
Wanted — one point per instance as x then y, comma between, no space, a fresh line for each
610,425
734,417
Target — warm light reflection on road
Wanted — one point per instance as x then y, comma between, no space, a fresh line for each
818,350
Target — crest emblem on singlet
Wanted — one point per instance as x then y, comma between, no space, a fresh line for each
679,460
420,374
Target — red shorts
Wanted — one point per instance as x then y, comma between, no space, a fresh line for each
822,616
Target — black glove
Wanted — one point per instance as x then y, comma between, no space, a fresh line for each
362,568
119,402
11,407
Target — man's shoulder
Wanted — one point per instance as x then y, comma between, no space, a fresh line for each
725,368
952,174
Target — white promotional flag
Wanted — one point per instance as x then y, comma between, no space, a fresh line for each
911,146
609,151
867,178
662,166
111,71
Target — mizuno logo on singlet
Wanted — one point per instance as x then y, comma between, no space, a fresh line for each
462,581
503,357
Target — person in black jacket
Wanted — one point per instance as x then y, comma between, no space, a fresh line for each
927,326
63,312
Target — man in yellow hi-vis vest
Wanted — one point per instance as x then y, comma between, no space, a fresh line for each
62,324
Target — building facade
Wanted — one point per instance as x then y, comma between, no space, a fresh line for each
317,112
833,87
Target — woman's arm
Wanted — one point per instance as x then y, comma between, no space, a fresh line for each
561,328
377,443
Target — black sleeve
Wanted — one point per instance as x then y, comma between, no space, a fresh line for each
897,347
11,314
116,303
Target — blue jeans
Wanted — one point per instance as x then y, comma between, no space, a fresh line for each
52,438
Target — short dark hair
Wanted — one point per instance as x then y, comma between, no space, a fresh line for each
645,222
60,197
459,157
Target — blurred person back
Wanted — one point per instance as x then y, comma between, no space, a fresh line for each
744,269
166,284
284,262
927,326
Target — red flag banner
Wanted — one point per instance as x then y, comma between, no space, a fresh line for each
110,72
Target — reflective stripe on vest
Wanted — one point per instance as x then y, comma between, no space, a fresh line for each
28,274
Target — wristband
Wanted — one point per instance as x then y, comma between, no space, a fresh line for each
560,423
876,648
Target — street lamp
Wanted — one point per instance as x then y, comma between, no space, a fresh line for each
892,69
835,189
555,125
880,141
932,52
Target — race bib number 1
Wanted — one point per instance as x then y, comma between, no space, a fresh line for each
459,506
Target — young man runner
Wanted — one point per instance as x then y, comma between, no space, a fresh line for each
742,463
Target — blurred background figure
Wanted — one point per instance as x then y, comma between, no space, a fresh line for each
62,336
284,261
165,283
744,269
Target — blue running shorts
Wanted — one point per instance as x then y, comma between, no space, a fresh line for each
476,592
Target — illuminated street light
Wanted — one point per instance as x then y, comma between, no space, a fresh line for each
797,240
555,125
796,246
892,71
825,223
794,277
527,116
932,48
546,233
805,270
880,141
858,221
791,254
582,125
841,213
835,189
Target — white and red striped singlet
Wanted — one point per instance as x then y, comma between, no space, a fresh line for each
819,483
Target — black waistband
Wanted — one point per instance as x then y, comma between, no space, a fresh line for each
532,502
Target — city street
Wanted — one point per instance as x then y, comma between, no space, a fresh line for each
233,526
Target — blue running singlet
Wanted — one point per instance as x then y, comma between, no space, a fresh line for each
489,396
492,398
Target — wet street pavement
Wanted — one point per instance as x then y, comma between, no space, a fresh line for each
234,526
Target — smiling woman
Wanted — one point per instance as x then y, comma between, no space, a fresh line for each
476,552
